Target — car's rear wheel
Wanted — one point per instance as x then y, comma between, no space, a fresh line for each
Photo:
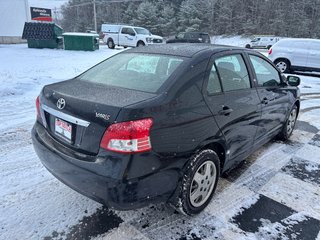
283,65
199,182
110,44
289,125
248,46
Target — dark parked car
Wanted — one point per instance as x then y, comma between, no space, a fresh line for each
191,37
161,123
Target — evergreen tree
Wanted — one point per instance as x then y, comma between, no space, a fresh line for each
168,21
190,16
147,16
287,18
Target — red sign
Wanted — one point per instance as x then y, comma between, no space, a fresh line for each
41,14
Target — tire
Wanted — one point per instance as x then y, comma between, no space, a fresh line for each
140,44
110,44
289,125
248,46
198,184
283,65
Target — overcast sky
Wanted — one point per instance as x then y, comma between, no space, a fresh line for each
47,3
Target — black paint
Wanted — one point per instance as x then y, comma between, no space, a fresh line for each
299,168
305,126
98,223
264,208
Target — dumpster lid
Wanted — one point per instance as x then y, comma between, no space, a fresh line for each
80,34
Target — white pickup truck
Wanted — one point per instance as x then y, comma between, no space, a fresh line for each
128,36
262,42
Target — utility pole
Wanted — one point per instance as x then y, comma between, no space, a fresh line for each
95,15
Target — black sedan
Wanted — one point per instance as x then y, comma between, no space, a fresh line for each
161,123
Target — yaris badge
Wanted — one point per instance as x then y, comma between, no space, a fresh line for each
61,103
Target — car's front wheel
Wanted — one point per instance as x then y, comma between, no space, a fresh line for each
140,44
283,65
199,182
289,125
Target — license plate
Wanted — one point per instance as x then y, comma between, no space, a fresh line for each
63,129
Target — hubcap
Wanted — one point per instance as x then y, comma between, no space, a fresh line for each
282,66
202,183
291,121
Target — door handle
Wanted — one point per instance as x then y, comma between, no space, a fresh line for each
225,111
265,101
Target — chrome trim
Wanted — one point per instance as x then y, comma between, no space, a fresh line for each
65,116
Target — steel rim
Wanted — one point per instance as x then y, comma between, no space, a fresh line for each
202,183
291,121
282,66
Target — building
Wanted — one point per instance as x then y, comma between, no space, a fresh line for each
13,15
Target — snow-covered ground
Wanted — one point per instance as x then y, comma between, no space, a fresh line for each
275,194
238,41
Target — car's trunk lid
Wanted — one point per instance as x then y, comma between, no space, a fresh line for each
86,109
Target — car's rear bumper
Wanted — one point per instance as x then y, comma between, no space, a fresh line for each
118,193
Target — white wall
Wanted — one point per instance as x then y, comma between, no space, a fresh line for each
13,15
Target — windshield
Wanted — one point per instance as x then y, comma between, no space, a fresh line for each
142,31
256,40
143,72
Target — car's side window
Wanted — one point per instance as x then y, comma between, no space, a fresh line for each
124,31
213,82
267,75
130,31
233,72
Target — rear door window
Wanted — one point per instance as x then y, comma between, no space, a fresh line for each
233,72
267,75
214,85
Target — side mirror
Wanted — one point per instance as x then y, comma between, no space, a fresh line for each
294,81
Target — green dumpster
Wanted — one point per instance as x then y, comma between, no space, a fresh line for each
81,41
42,35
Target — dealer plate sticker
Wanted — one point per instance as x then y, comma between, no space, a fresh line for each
63,129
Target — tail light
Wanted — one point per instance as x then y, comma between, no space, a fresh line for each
270,51
40,118
128,137
38,107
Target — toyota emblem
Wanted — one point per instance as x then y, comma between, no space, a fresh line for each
61,103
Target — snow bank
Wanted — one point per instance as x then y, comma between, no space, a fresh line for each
237,41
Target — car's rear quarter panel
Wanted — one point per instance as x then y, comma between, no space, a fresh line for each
182,121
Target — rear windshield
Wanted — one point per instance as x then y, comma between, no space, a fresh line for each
142,72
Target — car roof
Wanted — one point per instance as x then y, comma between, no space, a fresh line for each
182,49
196,33
287,41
